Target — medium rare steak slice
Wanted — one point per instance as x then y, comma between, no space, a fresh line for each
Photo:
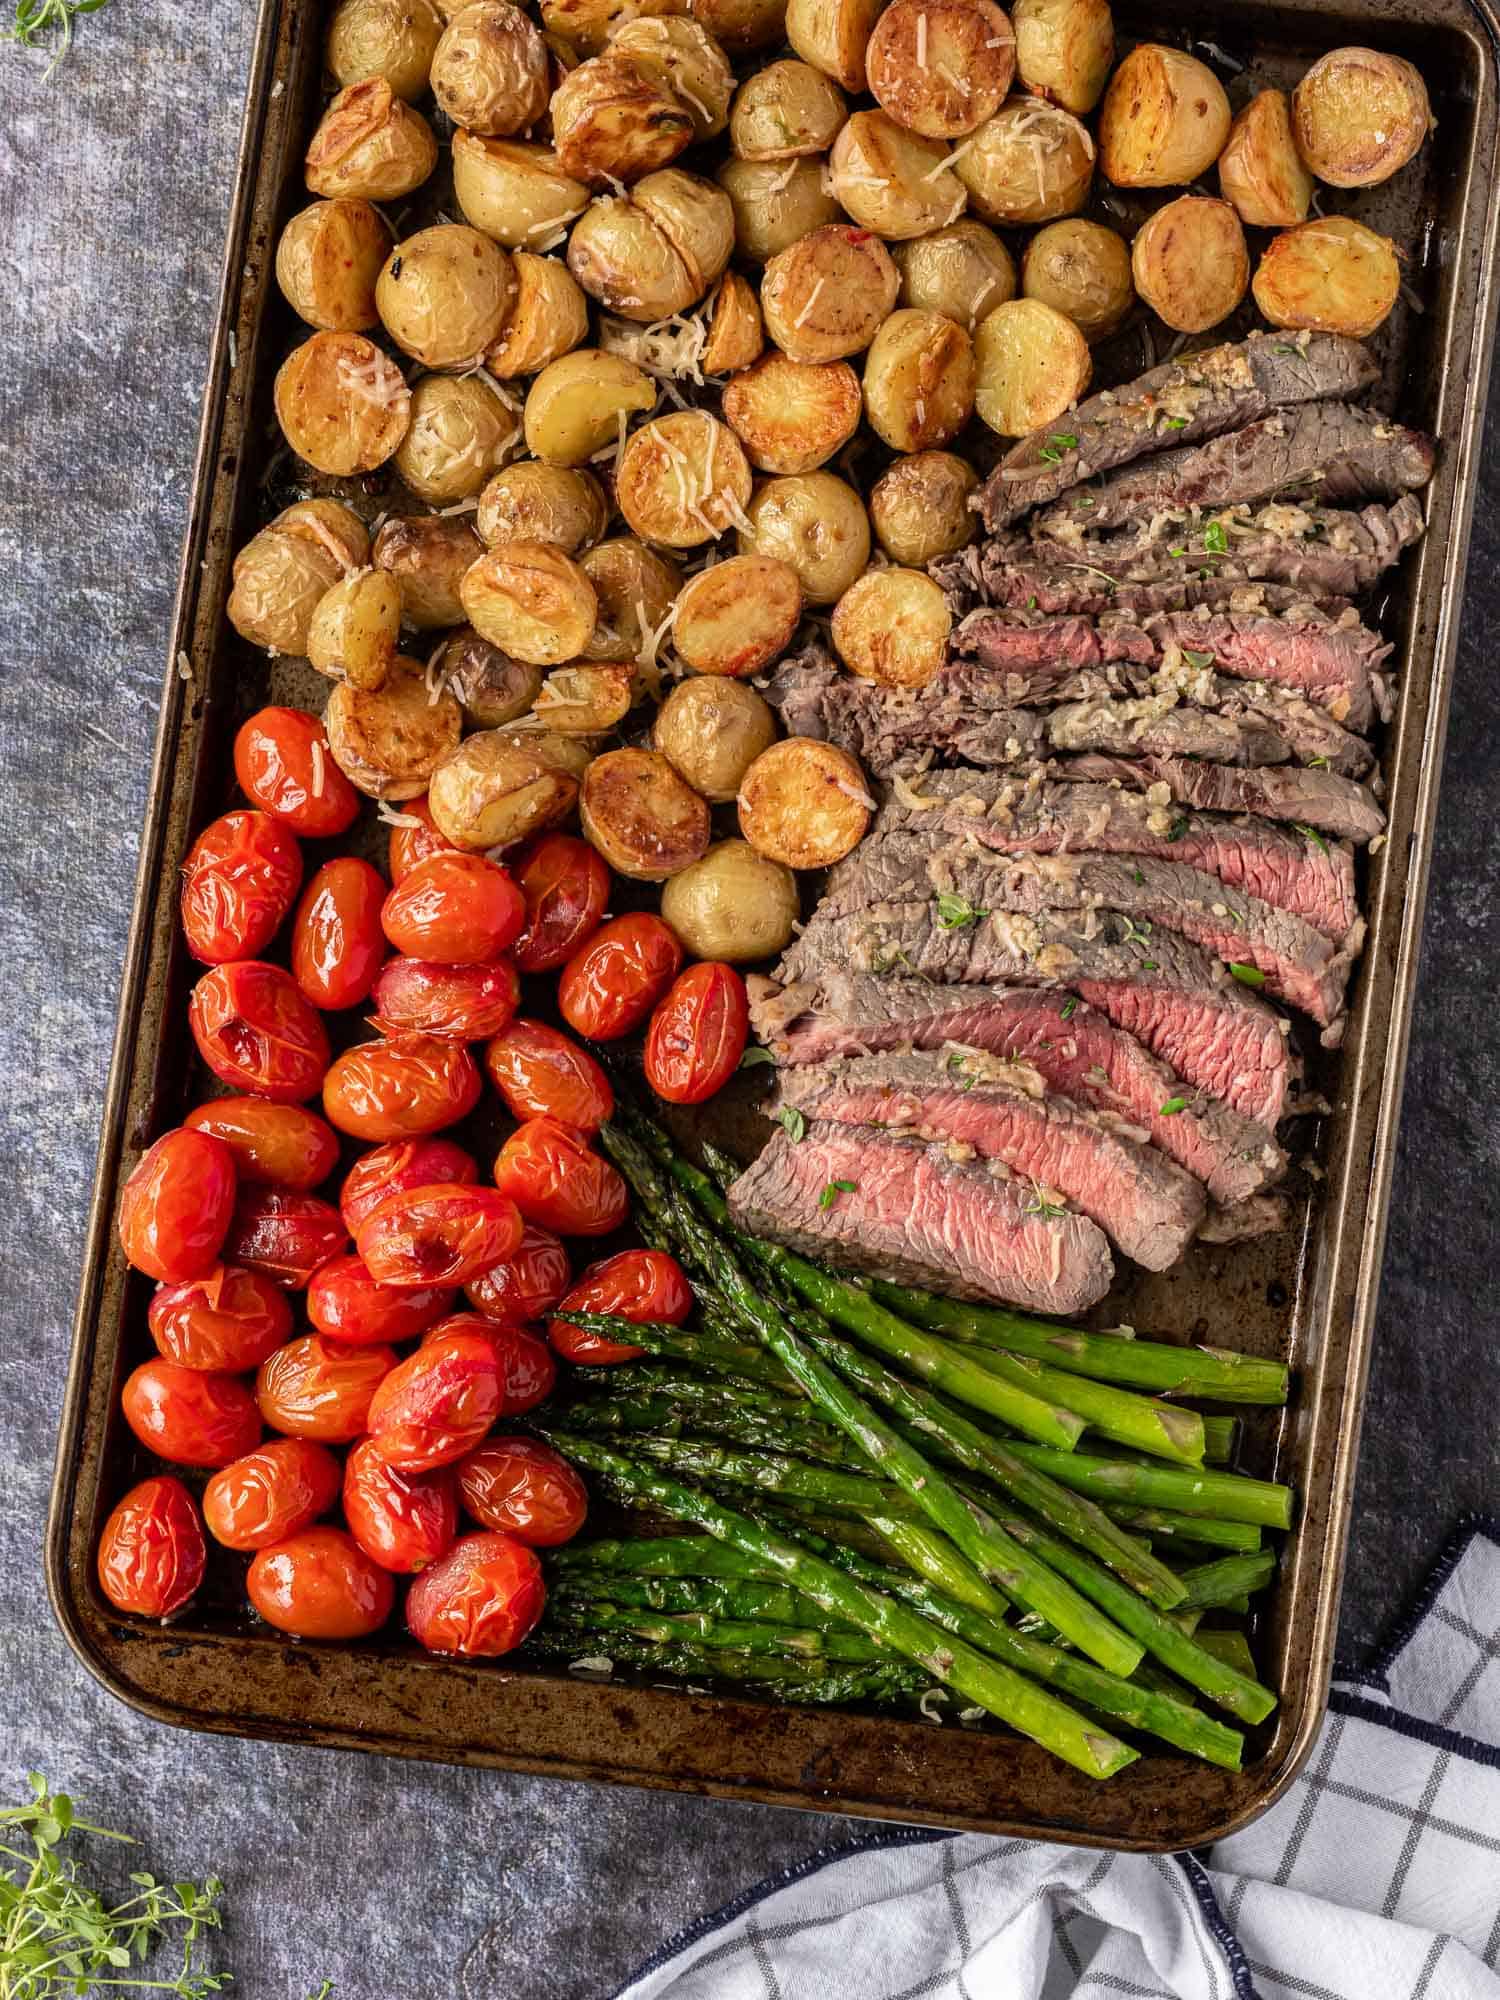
913,1215
979,1105
1321,800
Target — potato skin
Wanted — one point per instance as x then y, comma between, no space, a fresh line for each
1190,262
370,144
342,404
1032,364
489,686
817,525
1332,275
1260,169
550,317
941,67
892,626
459,432
280,579
734,905
833,35
586,25
533,501
1031,162
919,380
635,587
327,261
656,253
444,294
490,72
573,406
1064,50
390,38
711,731
1164,121
1359,116
1082,269
685,454
802,803
515,192
792,416
824,297
532,601
355,629
388,741
428,554
736,332
775,205
496,788
738,616
786,111
685,56
586,698
963,272
330,526
891,180
742,25
613,121
641,815
919,507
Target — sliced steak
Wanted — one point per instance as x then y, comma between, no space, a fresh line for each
1143,726
917,1217
978,1105
1243,1221
1322,800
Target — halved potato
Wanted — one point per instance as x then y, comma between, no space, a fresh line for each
1359,116
805,803
489,686
742,25
682,479
531,600
734,905
280,579
460,431
370,144
919,380
534,501
656,253
1064,49
1082,269
962,272
894,181
1164,121
833,35
499,787
581,403
892,626
635,587
814,523
736,332
919,507
611,121
737,616
514,191
586,25
550,318
1029,163
645,820
342,403
584,699
328,260
711,731
1260,169
1333,275
1190,262
785,111
428,555
792,415
1032,363
355,629
388,741
685,57
941,67
775,204
824,297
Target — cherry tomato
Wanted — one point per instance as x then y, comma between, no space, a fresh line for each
610,986
525,1489
543,1073
175,1209
283,762
346,1303
227,1322
401,1090
698,1034
241,877
188,1416
283,1235
639,1285
482,1598
320,1584
321,1389
274,1491
337,943
152,1551
257,1033
454,908
403,1520
528,1374
285,1144
459,1003
411,845
529,1282
555,1179
396,1168
441,1235
566,886
438,1404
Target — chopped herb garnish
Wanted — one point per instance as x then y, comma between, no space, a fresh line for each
1174,423
792,1123
954,913
1317,763
1197,659
1281,348
1311,835
1172,1106
1040,1206
1149,965
1247,975
1140,880
41,24
1031,604
754,1057
1206,573
1083,500
1178,827
1176,552
1134,930
833,1190
1065,440
1215,540
956,1068
1050,456
1068,1008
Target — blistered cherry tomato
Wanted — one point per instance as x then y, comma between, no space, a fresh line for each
189,1416
398,1167
638,1284
228,1322
241,877
438,1404
555,1179
283,762
697,1034
610,986
411,845
566,886
441,1235
528,1373
257,1033
454,908
152,1551
401,1090
322,1389
175,1209
284,1235
482,1598
524,1488
274,1491
337,943
543,1073
346,1303
320,1584
459,1003
285,1144
403,1520
528,1284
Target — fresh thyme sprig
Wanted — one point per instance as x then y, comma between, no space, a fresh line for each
44,24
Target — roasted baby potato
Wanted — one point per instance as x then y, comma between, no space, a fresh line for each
919,380
530,600
369,143
580,403
584,699
817,526
919,507
641,816
1029,163
445,293
711,731
1359,116
428,555
1032,362
792,415
962,272
390,38
805,803
460,431
734,905
281,576
892,626
786,111
1164,121
491,71
737,616
941,67
682,480
342,404
742,25
1260,169
736,333
697,219
549,318
614,121
586,25
891,180
1190,262
514,192
658,252
635,587
833,35
1064,49
499,787
389,740
489,686
824,297
774,205
687,59
1082,269
1333,275
355,629
328,260
335,528
536,502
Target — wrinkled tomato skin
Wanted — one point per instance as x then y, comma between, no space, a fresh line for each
402,1520
337,943
152,1552
609,987
443,1235
529,1282
189,1416
542,1073
276,1490
698,1034
557,1180
285,1145
457,1003
321,1389
482,1598
455,909
346,1303
525,1489
565,884
438,1404
409,846
176,1207
227,1322
638,1284
528,1373
240,878
283,1235
401,1090
320,1584
283,762
257,1033
396,1168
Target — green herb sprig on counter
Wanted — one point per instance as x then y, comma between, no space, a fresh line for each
47,24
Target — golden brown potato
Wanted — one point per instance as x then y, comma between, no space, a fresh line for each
585,25
460,431
1332,275
774,204
490,72
892,626
635,587
919,380
280,579
893,181
1359,116
612,121
531,600
941,67
687,59
711,732
734,905
445,293
328,260
428,554
682,480
585,699
737,616
824,297
1029,163
640,815
390,38
580,404
341,403
962,272
335,528
1064,49
736,333
833,35
1082,269
1164,121
1260,170
370,143
792,415
804,803
786,111
817,526
355,629
550,317
514,192
497,788
656,253
533,501
742,25
919,507
489,686
1190,262
389,740
1033,364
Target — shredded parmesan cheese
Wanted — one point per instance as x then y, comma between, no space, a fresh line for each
921,41
317,769
184,667
390,817
810,302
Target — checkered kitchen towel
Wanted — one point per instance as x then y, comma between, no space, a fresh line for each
1375,1877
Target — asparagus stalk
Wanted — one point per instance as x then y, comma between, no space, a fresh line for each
663,1416
1221,1435
726,1597
802,1681
657,1555
729,1635
1241,1536
678,1343
770,1472
1232,1647
1160,1429
1222,1496
696,1392
1224,1583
